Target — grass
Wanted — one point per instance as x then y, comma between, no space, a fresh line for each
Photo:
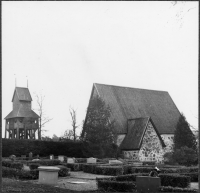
12,185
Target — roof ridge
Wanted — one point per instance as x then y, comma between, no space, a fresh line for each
21,87
131,87
138,118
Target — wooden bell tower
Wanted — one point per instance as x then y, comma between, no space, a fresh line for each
22,122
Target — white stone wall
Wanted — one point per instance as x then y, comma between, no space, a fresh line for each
133,155
151,149
120,138
169,142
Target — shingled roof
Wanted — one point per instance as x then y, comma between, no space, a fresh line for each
21,113
130,103
22,94
136,131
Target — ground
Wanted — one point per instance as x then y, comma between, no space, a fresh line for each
76,182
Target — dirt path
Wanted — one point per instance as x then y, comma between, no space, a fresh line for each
80,181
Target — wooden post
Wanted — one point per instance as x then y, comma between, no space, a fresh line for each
5,130
13,133
17,132
25,134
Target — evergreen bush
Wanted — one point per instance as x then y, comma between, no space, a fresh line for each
109,170
114,186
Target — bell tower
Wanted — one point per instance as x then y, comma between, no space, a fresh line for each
22,122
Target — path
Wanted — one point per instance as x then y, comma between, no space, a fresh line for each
80,181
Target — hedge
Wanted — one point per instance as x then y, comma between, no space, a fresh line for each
193,176
173,180
90,168
20,147
73,166
11,164
175,189
19,174
114,186
63,172
45,162
109,170
141,169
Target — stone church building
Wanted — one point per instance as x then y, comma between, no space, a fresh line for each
145,120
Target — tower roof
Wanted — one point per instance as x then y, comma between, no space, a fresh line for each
21,113
23,94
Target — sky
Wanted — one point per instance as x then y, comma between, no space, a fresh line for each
63,47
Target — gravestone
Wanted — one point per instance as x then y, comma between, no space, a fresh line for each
114,162
30,155
48,175
70,160
152,184
51,156
91,160
23,157
61,158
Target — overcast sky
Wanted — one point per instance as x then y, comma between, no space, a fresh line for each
64,47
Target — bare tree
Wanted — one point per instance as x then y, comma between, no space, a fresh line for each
73,122
68,135
43,119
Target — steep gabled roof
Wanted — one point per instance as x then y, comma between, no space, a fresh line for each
136,131
21,113
129,103
22,94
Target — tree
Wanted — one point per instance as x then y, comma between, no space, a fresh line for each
185,156
185,144
73,122
98,131
43,119
68,135
183,135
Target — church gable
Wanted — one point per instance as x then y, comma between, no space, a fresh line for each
152,145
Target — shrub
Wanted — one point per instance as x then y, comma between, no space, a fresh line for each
90,168
43,148
63,172
114,186
72,166
141,169
34,166
109,170
6,163
148,163
185,156
16,165
45,162
174,180
166,179
130,177
19,174
175,189
193,176
127,169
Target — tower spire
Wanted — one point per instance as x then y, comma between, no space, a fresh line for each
27,81
15,81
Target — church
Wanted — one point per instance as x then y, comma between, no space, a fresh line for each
145,120
22,122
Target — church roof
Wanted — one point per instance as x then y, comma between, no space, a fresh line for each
21,113
136,131
130,103
22,94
